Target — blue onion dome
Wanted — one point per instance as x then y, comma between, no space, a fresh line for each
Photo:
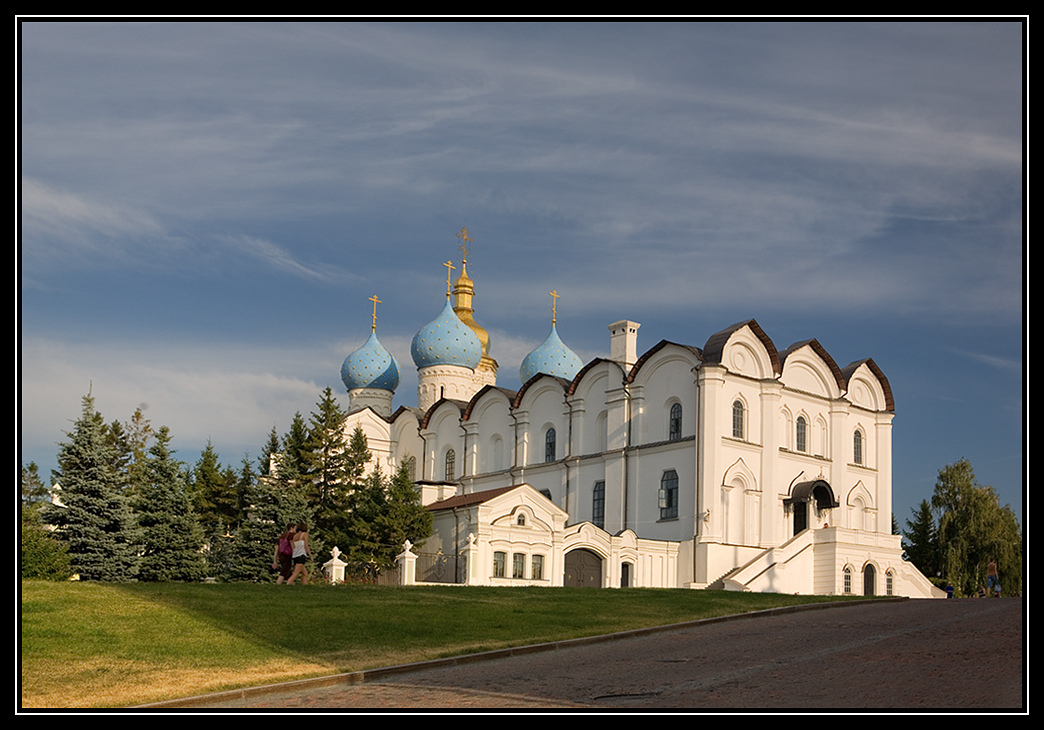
551,358
371,366
446,341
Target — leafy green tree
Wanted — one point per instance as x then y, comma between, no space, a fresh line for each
93,518
172,539
973,529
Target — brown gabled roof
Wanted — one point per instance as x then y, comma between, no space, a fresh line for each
715,346
522,391
653,350
466,500
509,394
824,356
586,368
852,367
461,405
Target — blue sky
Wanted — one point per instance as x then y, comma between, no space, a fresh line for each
206,209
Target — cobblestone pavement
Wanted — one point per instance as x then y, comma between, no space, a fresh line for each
960,655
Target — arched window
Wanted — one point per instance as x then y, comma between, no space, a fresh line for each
847,588
857,447
674,427
598,505
451,462
802,434
411,467
549,445
669,495
737,419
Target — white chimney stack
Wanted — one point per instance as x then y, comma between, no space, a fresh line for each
623,342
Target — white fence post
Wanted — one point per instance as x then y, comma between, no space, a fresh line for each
407,561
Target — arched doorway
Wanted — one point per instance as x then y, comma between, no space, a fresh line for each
869,580
816,493
583,568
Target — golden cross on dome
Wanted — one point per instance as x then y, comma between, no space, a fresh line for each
554,304
465,239
449,274
375,301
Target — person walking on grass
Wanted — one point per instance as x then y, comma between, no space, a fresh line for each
283,558
302,552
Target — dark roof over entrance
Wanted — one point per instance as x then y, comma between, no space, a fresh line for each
817,489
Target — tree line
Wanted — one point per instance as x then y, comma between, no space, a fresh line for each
953,536
125,508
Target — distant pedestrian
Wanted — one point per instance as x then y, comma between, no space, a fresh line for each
302,552
992,579
282,560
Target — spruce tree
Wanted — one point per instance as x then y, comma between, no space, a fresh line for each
273,503
405,517
93,518
215,493
325,469
921,540
172,539
41,555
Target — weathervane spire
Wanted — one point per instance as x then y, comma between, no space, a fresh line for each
465,240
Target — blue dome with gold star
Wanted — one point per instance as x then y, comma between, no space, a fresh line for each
371,366
551,358
446,341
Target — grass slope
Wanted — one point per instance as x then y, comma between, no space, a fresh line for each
112,645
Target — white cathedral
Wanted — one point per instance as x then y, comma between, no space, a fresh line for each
733,466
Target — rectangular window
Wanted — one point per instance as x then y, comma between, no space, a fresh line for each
499,564
536,567
669,495
518,565
598,505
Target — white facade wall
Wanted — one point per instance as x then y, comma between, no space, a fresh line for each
735,455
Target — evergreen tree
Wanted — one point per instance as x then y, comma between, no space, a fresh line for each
93,519
921,540
215,493
274,503
405,517
34,491
973,529
268,452
132,444
40,556
172,539
364,540
384,514
327,471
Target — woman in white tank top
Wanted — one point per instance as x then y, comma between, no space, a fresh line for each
302,553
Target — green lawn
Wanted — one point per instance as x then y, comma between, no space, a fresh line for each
112,645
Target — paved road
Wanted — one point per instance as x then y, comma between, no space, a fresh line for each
960,654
